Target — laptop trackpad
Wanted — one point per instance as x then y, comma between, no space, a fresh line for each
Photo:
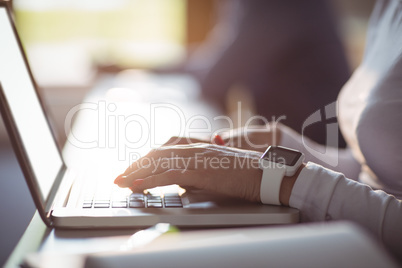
207,199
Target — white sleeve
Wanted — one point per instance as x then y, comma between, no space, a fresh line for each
337,159
379,133
321,195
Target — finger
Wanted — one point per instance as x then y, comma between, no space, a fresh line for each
202,165
158,166
162,152
187,178
230,137
144,162
173,151
121,180
183,150
177,151
183,140
175,157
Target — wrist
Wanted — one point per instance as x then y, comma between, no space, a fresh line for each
287,186
276,137
277,162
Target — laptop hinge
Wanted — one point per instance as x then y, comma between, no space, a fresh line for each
61,193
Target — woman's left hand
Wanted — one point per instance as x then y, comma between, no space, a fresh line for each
229,171
256,138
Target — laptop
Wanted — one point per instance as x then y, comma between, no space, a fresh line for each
58,191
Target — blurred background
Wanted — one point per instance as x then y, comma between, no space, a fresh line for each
70,44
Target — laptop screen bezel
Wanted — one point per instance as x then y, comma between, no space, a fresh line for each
43,203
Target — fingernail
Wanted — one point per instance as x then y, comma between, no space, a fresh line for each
119,179
218,140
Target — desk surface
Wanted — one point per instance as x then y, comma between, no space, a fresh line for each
38,237
316,245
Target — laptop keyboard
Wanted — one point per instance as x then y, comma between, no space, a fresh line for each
134,200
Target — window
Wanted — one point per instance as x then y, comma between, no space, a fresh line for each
66,40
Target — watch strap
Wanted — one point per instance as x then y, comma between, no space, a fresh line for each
271,184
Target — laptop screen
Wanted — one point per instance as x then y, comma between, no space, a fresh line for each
28,115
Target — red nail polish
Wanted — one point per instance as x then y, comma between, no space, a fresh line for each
218,140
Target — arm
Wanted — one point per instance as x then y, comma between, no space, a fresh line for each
321,195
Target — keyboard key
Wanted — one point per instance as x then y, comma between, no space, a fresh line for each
154,205
154,201
173,199
103,201
101,205
137,200
87,205
135,204
108,197
173,205
119,204
136,197
172,195
154,197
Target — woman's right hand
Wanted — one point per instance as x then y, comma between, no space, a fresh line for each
221,169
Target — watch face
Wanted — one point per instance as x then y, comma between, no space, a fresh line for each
282,155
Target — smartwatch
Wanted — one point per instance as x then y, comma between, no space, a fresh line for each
275,163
